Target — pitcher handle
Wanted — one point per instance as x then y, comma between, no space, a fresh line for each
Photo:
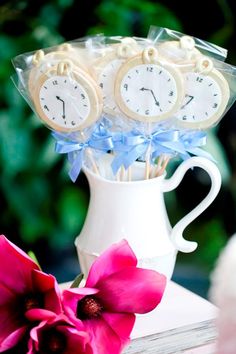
169,184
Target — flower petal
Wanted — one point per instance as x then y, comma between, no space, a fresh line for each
39,315
133,290
103,339
17,276
13,339
121,323
114,259
46,284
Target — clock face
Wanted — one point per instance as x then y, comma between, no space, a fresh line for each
106,81
64,102
202,101
149,91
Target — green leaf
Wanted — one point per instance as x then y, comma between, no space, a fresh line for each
32,255
77,281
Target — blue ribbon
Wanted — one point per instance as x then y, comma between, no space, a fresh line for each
192,143
69,144
134,145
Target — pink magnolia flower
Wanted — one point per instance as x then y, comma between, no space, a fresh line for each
58,336
114,291
23,288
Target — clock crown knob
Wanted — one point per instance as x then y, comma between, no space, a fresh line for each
38,57
64,67
204,65
150,55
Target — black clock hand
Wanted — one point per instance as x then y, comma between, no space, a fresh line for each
191,98
63,106
156,102
146,89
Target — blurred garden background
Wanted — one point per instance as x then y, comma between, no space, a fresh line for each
40,208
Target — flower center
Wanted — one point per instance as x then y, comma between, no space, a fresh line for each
33,301
53,342
89,307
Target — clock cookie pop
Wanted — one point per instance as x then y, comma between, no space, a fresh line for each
148,89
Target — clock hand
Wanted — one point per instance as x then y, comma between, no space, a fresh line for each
63,106
191,98
153,95
156,102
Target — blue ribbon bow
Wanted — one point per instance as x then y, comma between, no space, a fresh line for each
192,143
134,145
69,144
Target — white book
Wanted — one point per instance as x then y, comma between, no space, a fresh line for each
182,323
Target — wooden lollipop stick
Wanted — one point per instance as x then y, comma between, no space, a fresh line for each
130,173
158,166
122,173
147,167
164,165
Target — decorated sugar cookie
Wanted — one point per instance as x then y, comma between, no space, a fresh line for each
66,98
148,88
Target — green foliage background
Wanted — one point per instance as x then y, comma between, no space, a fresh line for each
38,203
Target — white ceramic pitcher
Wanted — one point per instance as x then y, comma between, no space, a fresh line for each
136,212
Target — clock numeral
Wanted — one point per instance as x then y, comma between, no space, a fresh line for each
215,105
184,118
46,107
171,93
126,87
199,79
150,69
83,96
147,112
55,82
72,123
101,84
